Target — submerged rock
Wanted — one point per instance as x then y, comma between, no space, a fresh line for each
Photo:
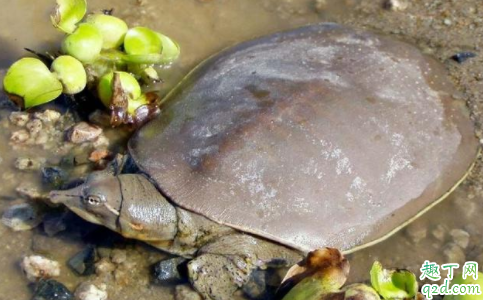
53,176
84,132
29,163
83,263
36,266
169,271
185,292
460,237
22,216
89,291
51,290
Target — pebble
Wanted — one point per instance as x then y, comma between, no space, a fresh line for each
118,256
51,290
19,118
167,271
21,217
454,254
102,141
36,266
439,232
54,176
83,132
48,116
104,267
83,263
185,292
34,126
89,291
460,237
19,136
98,155
320,5
28,163
256,286
396,5
54,223
461,57
100,118
417,231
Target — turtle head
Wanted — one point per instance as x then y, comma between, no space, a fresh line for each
128,204
97,200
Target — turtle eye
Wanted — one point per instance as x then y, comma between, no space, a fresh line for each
94,200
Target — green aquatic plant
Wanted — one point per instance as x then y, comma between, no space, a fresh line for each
393,283
111,28
67,14
141,41
71,74
30,83
85,43
130,87
98,52
322,274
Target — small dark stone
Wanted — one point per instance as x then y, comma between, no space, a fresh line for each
54,222
50,289
53,176
262,284
170,271
462,56
83,263
256,286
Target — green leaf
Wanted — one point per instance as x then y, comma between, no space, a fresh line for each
112,29
142,41
171,49
393,284
129,84
30,79
85,43
145,59
360,291
309,288
71,73
67,14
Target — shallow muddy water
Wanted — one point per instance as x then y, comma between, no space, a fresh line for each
451,232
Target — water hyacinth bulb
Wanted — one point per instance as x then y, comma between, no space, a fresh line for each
71,73
85,43
111,28
393,284
67,14
129,85
142,40
31,81
171,49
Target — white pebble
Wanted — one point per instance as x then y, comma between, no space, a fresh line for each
18,118
396,5
36,266
47,116
20,136
84,132
88,291
460,237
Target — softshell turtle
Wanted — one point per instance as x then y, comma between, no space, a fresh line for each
319,136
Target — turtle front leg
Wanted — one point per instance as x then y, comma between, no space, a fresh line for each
224,267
